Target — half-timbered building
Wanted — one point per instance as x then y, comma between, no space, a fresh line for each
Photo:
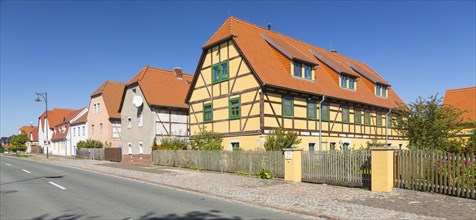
153,107
250,80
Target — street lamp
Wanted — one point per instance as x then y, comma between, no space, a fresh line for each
45,98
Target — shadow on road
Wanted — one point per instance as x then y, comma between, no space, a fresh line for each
40,177
195,215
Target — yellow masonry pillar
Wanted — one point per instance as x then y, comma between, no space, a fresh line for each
382,169
292,164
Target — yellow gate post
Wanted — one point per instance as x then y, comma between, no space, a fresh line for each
292,164
382,169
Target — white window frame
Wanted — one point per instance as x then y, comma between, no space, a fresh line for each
129,122
141,147
129,147
100,128
140,120
230,145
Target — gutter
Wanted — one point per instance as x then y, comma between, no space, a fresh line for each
320,122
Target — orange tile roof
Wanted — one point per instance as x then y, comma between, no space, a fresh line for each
161,87
263,60
81,119
112,93
463,99
55,116
30,130
27,129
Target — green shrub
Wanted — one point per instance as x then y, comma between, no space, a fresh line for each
89,144
18,142
207,140
170,144
279,139
264,174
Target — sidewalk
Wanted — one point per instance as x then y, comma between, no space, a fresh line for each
316,200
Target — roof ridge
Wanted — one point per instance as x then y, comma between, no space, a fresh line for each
465,88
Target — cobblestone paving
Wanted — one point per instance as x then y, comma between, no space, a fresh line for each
317,200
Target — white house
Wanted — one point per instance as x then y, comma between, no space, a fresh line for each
62,137
79,131
46,125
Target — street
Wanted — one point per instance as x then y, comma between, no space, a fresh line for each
33,190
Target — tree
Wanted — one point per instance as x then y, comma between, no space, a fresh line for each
89,144
207,140
18,142
279,139
428,124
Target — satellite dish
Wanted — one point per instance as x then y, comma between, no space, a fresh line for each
137,101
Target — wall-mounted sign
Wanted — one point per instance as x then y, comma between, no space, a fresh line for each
288,155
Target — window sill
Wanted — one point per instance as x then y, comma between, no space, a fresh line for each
233,118
301,78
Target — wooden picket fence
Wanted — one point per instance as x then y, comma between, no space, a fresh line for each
346,168
223,161
90,153
443,173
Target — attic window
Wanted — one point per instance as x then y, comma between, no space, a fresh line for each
220,72
380,90
347,82
300,68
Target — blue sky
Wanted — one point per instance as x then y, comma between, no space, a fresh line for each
69,48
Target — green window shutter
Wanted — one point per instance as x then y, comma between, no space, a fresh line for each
358,116
367,118
325,112
288,106
345,114
379,119
234,108
311,109
207,113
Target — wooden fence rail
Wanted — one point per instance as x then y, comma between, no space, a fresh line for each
90,153
347,168
222,161
443,173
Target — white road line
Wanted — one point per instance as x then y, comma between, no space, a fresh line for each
54,184
8,164
26,171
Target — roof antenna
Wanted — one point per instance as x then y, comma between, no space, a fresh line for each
269,26
229,14
330,45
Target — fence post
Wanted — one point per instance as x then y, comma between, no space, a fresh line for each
382,169
293,164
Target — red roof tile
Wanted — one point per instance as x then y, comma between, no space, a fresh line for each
161,87
463,99
55,116
260,54
112,93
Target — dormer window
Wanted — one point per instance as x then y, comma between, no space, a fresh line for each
347,82
297,69
380,90
300,68
307,72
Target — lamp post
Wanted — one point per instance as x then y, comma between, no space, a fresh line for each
45,98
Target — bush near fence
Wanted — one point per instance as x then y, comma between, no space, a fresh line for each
90,153
445,173
223,161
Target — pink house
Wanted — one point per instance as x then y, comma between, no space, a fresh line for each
104,119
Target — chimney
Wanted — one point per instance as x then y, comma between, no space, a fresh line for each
334,51
269,26
178,72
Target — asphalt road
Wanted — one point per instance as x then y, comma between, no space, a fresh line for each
33,190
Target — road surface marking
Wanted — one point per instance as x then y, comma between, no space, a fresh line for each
26,171
8,164
54,184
